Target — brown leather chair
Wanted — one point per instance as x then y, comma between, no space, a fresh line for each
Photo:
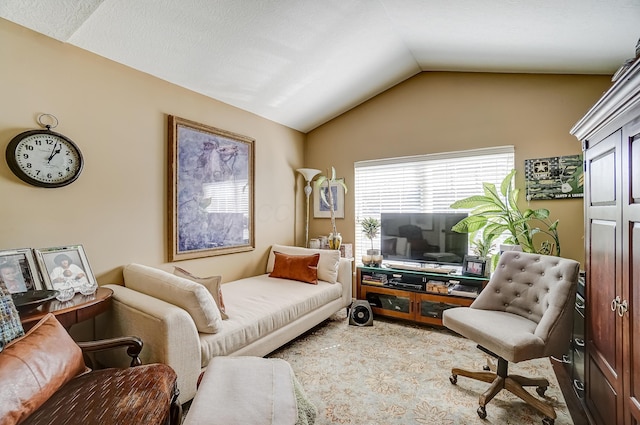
45,381
524,312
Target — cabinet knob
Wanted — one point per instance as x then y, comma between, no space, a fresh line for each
623,307
615,303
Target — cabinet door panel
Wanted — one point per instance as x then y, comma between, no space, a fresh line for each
603,237
601,397
602,291
631,277
602,184
632,322
634,170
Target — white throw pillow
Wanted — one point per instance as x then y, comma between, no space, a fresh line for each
327,265
190,296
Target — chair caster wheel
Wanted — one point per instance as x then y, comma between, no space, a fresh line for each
482,412
453,379
548,421
541,391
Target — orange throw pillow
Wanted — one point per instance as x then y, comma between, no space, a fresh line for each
296,267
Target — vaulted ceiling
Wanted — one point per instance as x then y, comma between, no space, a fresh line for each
302,62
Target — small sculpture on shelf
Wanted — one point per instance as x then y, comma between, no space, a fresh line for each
326,197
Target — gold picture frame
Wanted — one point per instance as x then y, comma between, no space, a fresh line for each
211,191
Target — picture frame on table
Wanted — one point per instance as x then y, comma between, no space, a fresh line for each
18,271
211,191
64,265
474,266
321,208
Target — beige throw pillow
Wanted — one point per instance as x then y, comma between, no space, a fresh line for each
213,285
327,264
190,296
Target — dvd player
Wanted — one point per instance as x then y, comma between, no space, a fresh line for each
407,285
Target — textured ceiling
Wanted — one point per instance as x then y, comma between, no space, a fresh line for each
302,62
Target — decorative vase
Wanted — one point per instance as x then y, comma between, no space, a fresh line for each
66,291
375,257
335,240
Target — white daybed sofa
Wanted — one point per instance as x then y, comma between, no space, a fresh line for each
264,314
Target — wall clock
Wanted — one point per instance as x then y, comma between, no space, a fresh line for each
43,157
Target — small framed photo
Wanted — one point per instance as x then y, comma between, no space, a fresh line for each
18,271
321,208
65,265
474,266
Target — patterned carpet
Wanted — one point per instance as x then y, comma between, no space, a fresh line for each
398,373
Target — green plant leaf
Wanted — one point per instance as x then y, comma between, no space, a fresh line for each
505,186
470,224
513,199
488,208
341,183
541,213
471,202
495,229
491,193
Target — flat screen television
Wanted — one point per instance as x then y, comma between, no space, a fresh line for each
423,237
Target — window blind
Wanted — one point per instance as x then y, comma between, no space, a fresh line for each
425,183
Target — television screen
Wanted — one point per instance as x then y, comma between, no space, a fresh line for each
423,237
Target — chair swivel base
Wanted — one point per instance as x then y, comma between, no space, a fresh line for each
512,383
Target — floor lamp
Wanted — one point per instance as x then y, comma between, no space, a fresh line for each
308,174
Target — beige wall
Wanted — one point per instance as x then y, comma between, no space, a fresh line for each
117,208
443,112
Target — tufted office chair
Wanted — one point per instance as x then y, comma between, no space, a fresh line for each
524,313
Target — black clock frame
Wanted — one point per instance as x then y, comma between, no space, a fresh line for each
17,170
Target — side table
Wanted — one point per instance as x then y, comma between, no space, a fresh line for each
79,308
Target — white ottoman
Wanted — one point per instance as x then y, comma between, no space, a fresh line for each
249,391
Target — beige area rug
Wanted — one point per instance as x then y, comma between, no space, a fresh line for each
398,373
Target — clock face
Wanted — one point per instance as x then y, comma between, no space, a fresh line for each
44,158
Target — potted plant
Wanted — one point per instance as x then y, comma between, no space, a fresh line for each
483,246
324,183
370,228
498,212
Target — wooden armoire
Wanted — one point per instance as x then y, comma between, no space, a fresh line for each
610,135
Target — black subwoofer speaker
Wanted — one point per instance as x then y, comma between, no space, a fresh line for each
360,313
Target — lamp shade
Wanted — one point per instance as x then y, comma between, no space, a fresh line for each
308,173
